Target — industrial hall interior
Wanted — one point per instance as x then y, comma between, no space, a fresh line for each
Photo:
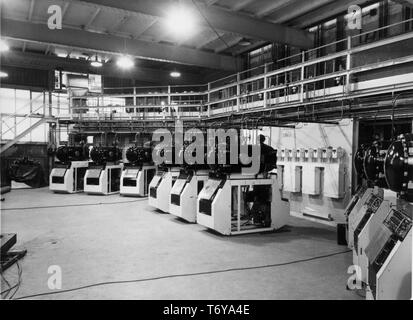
206,149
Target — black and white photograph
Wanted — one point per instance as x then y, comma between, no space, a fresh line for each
206,155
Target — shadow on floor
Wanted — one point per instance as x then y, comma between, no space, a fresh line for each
283,235
179,220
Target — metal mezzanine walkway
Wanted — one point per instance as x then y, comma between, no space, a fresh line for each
313,78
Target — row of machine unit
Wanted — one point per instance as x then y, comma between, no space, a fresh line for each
312,171
138,172
380,219
221,197
104,174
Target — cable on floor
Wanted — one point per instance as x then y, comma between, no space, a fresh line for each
16,286
75,205
6,292
183,275
20,273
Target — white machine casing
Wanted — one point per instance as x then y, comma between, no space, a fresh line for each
390,258
364,215
184,196
394,278
66,179
358,212
160,188
371,216
135,181
367,235
102,179
220,218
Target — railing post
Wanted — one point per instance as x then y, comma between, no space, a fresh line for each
44,103
238,92
69,104
15,112
50,104
57,134
134,104
58,105
265,85
31,101
302,77
169,101
209,99
348,64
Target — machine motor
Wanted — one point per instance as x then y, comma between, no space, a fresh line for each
398,167
373,163
260,211
359,161
139,155
67,154
103,155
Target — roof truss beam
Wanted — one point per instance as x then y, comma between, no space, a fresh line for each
271,7
221,19
31,10
298,8
241,4
50,62
106,43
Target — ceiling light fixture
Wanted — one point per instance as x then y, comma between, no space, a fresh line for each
245,43
4,46
3,74
125,62
180,21
175,74
96,63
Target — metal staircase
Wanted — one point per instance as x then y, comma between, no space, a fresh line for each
21,120
10,143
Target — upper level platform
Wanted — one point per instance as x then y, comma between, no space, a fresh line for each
367,64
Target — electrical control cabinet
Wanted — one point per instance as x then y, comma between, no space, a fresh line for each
292,177
280,176
390,257
311,179
359,211
366,213
380,229
334,183
314,171
369,233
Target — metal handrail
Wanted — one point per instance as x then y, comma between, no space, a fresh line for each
265,66
23,118
22,107
238,81
382,28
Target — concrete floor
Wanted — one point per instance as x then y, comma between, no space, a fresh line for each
124,239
